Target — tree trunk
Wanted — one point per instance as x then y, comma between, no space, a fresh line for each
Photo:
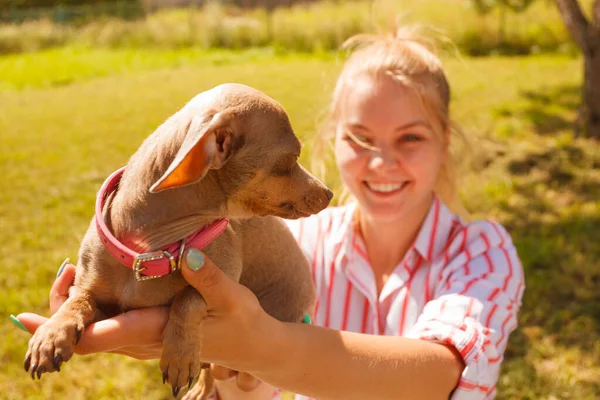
587,36
591,93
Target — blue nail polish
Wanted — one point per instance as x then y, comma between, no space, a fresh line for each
62,267
18,323
195,259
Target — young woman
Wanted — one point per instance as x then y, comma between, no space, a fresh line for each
412,301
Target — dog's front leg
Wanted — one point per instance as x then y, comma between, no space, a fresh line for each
180,359
53,343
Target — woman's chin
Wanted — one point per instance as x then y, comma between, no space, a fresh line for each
383,213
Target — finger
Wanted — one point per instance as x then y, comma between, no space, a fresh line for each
60,289
217,289
138,328
221,373
31,321
247,382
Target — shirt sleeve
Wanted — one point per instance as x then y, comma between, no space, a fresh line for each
474,304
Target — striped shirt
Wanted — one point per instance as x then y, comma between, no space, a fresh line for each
460,284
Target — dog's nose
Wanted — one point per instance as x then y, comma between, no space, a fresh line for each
329,194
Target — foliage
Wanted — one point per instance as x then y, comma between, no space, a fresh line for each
316,27
485,6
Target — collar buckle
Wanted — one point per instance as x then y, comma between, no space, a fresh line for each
145,257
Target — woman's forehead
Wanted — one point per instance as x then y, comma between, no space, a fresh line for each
380,101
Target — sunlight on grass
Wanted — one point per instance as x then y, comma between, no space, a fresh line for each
63,66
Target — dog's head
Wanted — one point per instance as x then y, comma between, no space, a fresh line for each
244,139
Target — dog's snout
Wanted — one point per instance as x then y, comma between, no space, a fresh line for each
329,194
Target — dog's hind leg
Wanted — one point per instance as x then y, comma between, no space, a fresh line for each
53,343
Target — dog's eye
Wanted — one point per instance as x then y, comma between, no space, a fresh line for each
284,167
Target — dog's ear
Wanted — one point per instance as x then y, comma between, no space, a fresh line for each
208,144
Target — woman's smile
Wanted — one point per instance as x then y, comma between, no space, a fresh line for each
385,190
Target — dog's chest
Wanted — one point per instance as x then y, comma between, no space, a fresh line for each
134,294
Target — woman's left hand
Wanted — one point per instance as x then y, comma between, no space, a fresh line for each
136,333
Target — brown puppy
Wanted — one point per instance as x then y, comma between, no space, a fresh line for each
230,152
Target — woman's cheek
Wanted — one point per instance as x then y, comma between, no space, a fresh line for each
347,161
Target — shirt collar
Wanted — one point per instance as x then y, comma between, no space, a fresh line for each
431,239
434,232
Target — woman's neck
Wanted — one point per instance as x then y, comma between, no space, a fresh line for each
388,242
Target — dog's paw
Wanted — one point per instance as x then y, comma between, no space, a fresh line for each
180,361
51,345
204,389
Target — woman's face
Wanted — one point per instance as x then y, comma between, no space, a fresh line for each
387,153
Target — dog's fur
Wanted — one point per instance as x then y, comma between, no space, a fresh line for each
230,152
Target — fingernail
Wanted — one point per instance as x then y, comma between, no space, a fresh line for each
195,259
306,319
62,267
18,323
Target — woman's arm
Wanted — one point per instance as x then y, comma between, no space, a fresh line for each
329,364
316,361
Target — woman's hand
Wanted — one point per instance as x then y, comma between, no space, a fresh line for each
136,333
236,329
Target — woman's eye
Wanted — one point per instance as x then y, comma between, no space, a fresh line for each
358,139
410,137
361,138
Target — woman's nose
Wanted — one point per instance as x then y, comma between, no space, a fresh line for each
382,158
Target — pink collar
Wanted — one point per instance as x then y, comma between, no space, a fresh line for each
157,263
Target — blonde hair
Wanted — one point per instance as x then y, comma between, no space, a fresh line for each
411,61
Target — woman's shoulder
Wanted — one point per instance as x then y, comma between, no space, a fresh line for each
491,232
478,243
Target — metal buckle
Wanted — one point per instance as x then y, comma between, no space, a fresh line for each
155,255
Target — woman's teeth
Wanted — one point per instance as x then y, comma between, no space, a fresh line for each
385,187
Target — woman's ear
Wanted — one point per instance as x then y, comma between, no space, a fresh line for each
207,144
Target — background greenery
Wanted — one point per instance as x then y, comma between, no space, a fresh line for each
319,26
71,115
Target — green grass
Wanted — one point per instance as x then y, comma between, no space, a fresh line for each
66,65
64,130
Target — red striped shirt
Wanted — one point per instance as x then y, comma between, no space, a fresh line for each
459,284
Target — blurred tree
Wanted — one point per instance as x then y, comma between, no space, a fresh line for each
487,6
586,33
21,4
68,11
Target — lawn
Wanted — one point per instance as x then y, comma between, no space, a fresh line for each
62,131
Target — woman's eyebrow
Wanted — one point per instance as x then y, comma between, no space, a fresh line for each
356,125
413,124
408,125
